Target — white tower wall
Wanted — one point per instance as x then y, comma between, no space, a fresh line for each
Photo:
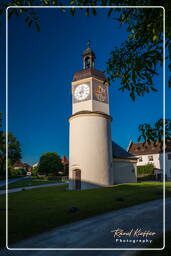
91,150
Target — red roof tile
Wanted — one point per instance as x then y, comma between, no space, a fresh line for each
145,148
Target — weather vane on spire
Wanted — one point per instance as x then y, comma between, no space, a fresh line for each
88,43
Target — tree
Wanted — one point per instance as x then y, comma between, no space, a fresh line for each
2,154
155,133
35,170
50,163
14,150
135,62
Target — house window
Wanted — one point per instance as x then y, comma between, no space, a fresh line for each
150,158
169,156
140,159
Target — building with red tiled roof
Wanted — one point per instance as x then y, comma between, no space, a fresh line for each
26,167
64,160
152,153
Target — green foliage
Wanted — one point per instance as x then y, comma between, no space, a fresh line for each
155,133
145,169
14,150
2,154
35,170
135,61
135,67
13,172
50,163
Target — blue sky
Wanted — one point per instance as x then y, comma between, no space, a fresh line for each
41,68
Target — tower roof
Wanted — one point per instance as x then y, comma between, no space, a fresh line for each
89,72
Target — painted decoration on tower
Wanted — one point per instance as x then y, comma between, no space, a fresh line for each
100,92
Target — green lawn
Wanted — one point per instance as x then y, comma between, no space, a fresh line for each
38,210
158,243
32,181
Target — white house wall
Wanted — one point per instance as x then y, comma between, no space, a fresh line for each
124,172
145,160
157,161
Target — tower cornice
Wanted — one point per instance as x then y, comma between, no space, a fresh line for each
90,113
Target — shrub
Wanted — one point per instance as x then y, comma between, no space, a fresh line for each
15,172
35,170
147,169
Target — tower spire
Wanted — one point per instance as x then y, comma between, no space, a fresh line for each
88,57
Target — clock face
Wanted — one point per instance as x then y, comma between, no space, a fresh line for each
101,93
81,92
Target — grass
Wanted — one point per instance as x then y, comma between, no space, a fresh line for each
32,181
158,243
38,210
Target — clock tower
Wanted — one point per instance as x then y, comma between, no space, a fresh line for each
90,146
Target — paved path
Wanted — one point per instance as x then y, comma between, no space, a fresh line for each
3,182
12,190
96,232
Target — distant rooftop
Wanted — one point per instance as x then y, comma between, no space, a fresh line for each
145,148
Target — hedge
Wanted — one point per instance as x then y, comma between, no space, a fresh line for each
145,169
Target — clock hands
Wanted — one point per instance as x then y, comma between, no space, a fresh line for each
81,92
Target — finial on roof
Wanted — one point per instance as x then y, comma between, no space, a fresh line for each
88,43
